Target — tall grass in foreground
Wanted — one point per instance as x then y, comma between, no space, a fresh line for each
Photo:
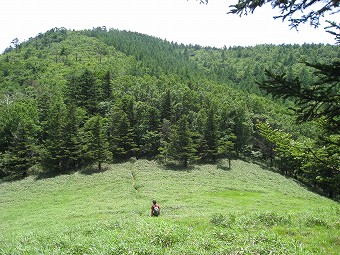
246,210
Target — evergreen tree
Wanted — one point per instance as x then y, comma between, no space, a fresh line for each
242,130
121,136
96,143
318,164
164,143
181,145
210,136
53,155
147,129
72,143
19,132
22,152
226,148
312,10
107,86
84,91
166,109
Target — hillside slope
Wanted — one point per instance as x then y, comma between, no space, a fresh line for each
206,210
134,86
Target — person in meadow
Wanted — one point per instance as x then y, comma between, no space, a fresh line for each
155,209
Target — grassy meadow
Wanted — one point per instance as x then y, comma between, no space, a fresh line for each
206,210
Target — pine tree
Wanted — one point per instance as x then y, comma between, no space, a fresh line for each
72,144
96,143
210,136
84,91
121,136
53,156
147,129
19,130
107,86
22,152
243,129
166,109
181,145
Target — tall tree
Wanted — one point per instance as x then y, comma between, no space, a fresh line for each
311,163
121,136
318,101
85,91
72,143
166,109
181,145
19,131
242,129
107,86
96,143
147,129
210,136
53,155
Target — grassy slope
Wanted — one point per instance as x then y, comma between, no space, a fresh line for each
208,210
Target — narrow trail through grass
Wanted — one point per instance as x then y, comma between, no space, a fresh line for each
207,210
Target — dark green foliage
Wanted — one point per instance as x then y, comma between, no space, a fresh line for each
147,130
96,145
21,153
181,146
210,137
315,100
120,134
84,91
99,95
242,128
166,107
72,137
289,9
19,130
53,154
107,86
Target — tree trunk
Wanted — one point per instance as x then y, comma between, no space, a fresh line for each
185,163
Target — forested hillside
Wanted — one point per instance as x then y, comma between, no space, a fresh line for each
70,99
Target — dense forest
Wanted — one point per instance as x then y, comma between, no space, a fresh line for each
72,99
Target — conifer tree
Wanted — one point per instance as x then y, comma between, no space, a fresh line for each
147,129
84,91
242,130
317,101
96,143
22,152
210,136
181,145
107,86
72,137
166,108
121,136
18,132
53,155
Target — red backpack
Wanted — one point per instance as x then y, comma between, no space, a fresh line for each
156,210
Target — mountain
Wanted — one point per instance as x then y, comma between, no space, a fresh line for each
71,99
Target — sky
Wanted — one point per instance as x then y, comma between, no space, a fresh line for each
182,21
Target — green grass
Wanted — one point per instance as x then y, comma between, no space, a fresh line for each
207,210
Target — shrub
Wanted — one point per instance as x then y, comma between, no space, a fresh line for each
313,221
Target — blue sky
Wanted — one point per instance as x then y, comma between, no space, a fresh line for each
175,20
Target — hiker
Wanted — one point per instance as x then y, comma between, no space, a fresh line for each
155,209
